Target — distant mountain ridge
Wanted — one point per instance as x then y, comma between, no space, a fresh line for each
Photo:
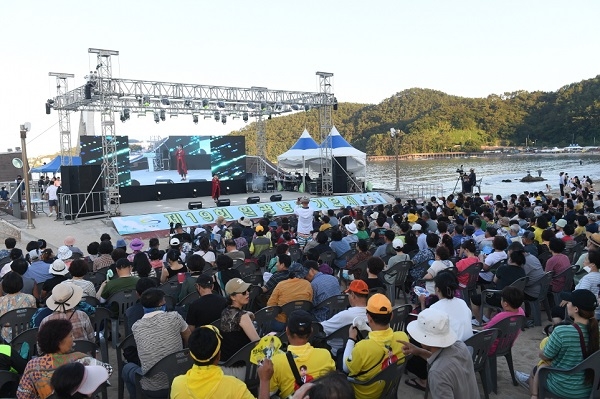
434,121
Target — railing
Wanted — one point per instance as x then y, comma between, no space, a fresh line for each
421,190
82,205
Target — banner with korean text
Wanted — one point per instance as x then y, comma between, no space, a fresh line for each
160,221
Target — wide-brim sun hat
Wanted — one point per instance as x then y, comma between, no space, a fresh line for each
432,328
65,296
351,228
93,377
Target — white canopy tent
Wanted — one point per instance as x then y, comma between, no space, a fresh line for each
306,153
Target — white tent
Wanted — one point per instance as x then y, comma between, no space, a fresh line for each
296,156
356,160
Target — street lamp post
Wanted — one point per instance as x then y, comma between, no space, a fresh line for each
395,136
24,129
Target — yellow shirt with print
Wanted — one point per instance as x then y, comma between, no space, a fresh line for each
208,382
372,354
317,362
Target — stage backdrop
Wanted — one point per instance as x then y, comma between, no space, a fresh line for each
160,221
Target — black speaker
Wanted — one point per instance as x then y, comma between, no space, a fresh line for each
340,178
164,181
253,200
195,205
223,202
275,197
81,179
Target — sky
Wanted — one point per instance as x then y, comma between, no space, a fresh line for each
375,49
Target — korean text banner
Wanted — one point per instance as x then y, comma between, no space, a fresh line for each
160,221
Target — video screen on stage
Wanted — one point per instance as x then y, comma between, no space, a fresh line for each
172,159
91,154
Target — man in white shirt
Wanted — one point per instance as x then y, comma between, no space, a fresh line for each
52,196
305,218
358,293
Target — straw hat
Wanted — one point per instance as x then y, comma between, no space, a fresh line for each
65,296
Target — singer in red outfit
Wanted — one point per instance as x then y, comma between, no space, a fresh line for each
181,164
216,188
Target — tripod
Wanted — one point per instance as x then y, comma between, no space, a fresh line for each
458,180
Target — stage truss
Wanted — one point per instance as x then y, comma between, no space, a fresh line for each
128,97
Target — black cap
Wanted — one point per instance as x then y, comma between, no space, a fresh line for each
300,322
583,299
178,226
204,280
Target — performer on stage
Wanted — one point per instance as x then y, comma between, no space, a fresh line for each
216,188
181,164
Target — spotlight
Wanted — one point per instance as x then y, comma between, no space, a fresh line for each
49,104
221,104
251,105
263,106
125,114
158,195
275,197
335,104
224,119
227,190
295,107
146,101
253,200
306,107
163,115
156,117
245,117
88,90
187,103
165,101
278,106
195,119
224,202
205,103
194,193
217,116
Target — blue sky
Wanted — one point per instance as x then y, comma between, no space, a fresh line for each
375,49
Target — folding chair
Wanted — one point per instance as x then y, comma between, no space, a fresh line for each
243,356
126,343
27,338
509,331
400,316
123,300
171,366
568,274
473,273
591,362
17,320
334,304
388,379
520,284
395,278
544,283
481,344
263,318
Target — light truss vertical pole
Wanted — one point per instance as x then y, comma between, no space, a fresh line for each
326,123
261,146
109,143
64,118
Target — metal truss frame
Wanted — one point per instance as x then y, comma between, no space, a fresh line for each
64,118
325,124
109,95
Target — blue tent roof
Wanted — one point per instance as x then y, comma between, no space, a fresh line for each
54,165
337,141
305,142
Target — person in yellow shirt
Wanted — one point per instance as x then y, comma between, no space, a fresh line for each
206,380
365,359
310,362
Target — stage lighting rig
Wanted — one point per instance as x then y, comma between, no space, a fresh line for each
163,115
251,105
221,104
295,107
224,119
245,117
146,101
306,107
195,119
165,101
49,105
217,116
205,103
156,117
125,114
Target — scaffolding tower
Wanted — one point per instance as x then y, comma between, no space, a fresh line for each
64,119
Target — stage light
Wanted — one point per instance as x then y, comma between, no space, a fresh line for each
88,90
221,104
253,200
278,106
335,104
251,105
217,116
188,103
227,190
205,103
194,193
195,119
163,115
275,197
306,107
245,117
49,105
146,101
165,101
156,117
295,107
125,114
224,119
223,202
158,195
195,205
263,106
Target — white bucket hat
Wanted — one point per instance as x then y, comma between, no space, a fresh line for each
351,228
432,328
64,252
58,267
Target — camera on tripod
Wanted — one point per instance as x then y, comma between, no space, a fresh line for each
460,171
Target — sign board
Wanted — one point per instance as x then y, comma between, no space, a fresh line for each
160,221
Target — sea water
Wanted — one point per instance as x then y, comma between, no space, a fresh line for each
382,175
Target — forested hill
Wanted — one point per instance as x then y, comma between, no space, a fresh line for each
434,121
